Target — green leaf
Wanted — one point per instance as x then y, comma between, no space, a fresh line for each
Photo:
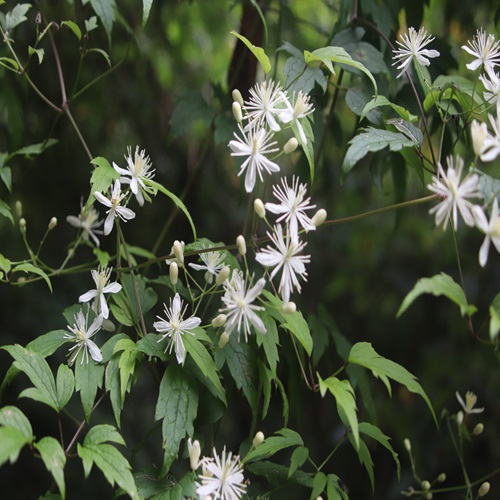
101,52
102,177
206,364
338,55
6,176
345,398
105,10
440,284
112,463
178,202
405,127
30,268
363,354
74,28
489,187
372,140
65,386
16,16
39,53
271,445
178,406
258,52
276,474
380,100
88,378
495,318
365,458
91,24
12,416
34,149
147,296
299,456
129,358
5,264
54,459
308,146
334,490
9,63
38,371
146,8
13,440
102,433
5,211
150,346
270,340
319,483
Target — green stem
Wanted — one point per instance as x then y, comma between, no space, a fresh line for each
330,455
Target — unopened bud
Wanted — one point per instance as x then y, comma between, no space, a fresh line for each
290,146
52,223
289,308
222,276
219,320
407,444
258,439
478,132
19,208
428,496
241,244
236,94
478,429
194,453
441,478
224,339
179,252
259,208
426,486
484,489
460,417
108,325
173,272
319,217
21,281
237,113
22,225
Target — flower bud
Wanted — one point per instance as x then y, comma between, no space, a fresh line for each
428,496
173,272
426,486
179,252
289,308
241,244
224,339
441,478
258,439
21,281
478,132
194,453
319,217
478,429
407,444
460,417
222,276
484,489
237,113
290,146
22,225
52,223
236,94
219,320
259,208
19,208
108,325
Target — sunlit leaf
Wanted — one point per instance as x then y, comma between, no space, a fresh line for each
73,27
258,52
284,438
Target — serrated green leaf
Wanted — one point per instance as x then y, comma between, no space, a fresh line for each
6,176
54,459
372,140
363,354
121,309
91,24
177,405
16,16
150,346
365,458
345,398
299,456
495,318
74,28
102,433
13,440
30,268
5,211
12,416
105,10
338,55
39,373
380,101
276,474
440,284
270,341
271,445
333,488
112,380
65,385
40,53
405,127
127,365
88,378
177,201
258,52
146,8
102,177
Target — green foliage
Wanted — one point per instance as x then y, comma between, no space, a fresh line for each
258,52
54,459
88,378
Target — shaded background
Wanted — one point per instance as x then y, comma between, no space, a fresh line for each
169,92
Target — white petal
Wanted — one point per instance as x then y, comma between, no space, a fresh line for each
95,352
112,288
87,296
109,222
102,199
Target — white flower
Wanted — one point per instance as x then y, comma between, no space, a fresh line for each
266,101
491,143
454,193
222,477
479,133
491,229
255,145
470,401
286,257
293,206
175,327
412,46
82,336
240,310
300,109
139,169
491,82
88,221
486,51
101,278
213,263
115,209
